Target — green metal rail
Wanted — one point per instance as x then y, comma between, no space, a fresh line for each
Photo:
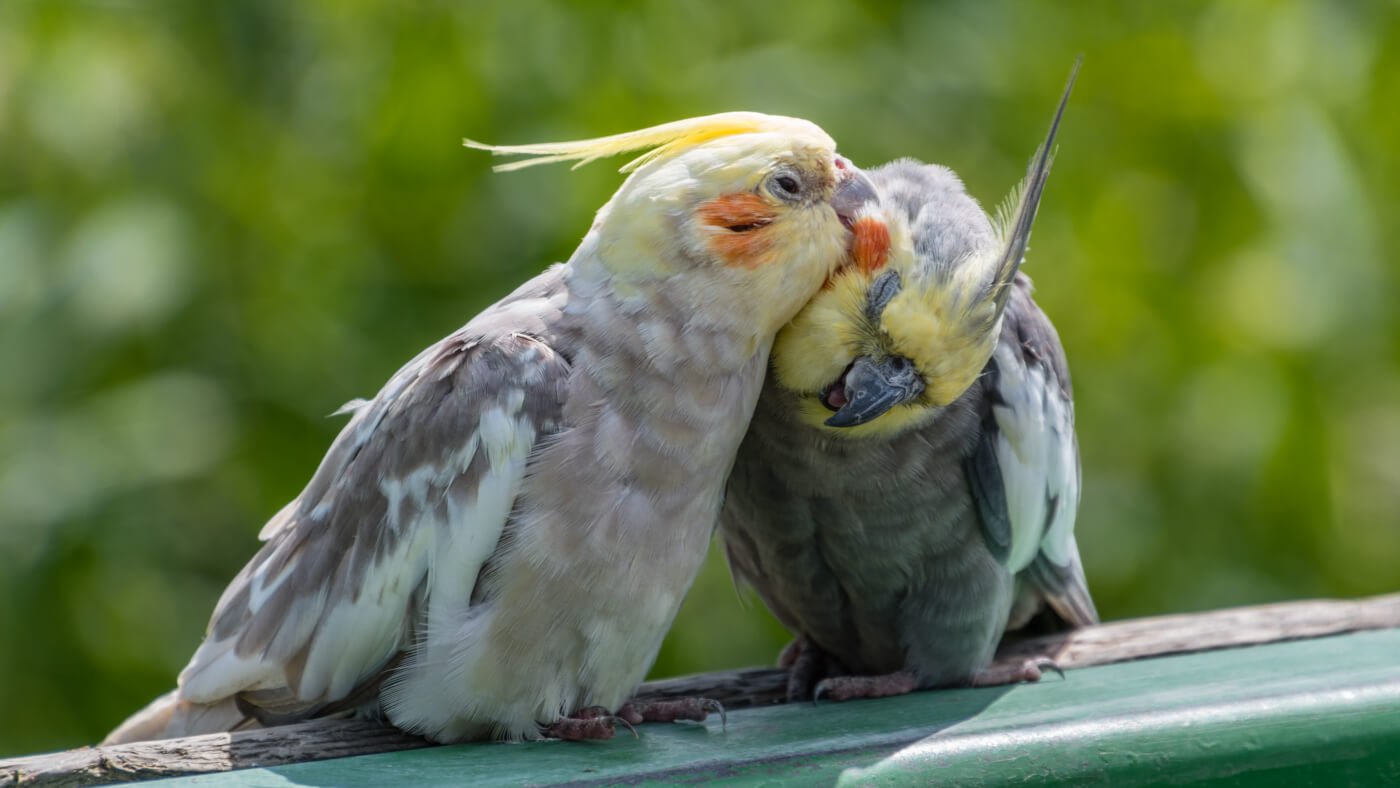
1322,712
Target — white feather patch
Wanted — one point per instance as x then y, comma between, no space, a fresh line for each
1023,451
428,694
1063,480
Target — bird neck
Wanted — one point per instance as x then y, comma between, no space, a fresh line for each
647,321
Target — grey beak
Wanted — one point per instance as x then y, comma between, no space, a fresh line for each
873,387
853,192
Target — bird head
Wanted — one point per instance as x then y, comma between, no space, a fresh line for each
745,214
910,325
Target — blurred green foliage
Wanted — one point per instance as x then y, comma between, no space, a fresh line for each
219,221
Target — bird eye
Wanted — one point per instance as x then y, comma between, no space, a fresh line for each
786,186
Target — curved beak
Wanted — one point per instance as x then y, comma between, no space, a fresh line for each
854,191
869,388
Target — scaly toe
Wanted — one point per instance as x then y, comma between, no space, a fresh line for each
852,687
573,729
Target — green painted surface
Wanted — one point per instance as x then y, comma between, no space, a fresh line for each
1319,712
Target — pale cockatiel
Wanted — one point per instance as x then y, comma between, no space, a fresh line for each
500,538
908,487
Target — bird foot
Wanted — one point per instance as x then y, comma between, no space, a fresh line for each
1028,671
692,709
807,664
852,687
594,723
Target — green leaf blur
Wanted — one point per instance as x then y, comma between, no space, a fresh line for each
220,221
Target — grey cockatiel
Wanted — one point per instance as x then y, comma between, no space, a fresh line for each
908,487
501,537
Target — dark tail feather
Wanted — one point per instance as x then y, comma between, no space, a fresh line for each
1065,590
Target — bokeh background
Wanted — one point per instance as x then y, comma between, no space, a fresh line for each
220,221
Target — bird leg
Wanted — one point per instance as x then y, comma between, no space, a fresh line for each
1028,671
638,711
901,682
806,663
591,724
792,652
815,674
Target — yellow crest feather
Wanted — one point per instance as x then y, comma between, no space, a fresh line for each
664,140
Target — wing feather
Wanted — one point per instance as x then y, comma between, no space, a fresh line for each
1025,472
391,532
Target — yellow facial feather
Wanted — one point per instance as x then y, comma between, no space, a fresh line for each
824,337
948,340
942,327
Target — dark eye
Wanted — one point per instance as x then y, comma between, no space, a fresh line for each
900,363
786,186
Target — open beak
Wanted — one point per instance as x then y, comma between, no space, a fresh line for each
853,192
868,388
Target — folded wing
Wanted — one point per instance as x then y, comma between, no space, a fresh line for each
393,529
1025,473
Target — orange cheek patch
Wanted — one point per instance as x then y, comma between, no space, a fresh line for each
743,250
742,238
870,249
739,211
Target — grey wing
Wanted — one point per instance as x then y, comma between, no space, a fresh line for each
1025,471
407,506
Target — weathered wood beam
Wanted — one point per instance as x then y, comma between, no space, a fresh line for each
320,739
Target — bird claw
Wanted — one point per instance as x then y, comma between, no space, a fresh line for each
715,707
1043,664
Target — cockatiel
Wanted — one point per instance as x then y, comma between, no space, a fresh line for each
496,543
908,487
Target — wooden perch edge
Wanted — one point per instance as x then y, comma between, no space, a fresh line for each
320,739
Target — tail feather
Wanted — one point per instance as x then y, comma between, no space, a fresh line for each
168,717
1065,590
